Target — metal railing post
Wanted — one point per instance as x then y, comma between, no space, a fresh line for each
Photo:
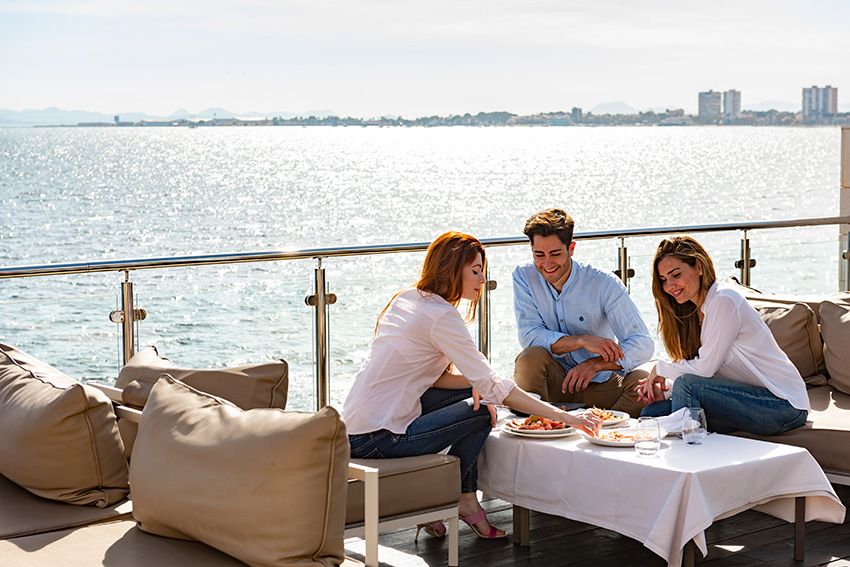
321,339
844,207
127,317
746,262
623,271
846,256
484,314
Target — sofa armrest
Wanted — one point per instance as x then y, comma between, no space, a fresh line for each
369,477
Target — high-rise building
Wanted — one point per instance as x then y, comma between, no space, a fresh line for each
576,114
709,106
819,102
731,105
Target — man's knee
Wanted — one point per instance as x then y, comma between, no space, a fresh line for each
531,369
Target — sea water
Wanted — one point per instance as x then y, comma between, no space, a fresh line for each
92,194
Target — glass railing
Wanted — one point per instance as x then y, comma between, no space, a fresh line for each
234,309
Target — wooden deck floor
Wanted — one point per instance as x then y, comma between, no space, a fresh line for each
750,538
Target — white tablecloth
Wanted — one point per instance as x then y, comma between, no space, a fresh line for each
662,501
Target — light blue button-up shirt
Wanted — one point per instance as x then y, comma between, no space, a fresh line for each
592,302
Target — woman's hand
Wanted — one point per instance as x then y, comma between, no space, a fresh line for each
651,388
476,403
587,422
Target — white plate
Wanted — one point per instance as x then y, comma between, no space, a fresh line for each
619,416
535,432
551,434
609,442
620,443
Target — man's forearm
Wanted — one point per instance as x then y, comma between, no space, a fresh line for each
567,343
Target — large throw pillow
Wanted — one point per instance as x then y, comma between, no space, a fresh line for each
795,329
254,386
264,485
58,438
835,328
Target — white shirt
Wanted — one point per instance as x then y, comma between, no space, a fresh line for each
737,345
416,340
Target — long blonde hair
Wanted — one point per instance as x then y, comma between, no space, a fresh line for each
679,324
442,270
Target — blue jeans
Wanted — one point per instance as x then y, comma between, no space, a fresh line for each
731,406
447,420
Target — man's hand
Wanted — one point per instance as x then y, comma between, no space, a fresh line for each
579,376
607,349
476,403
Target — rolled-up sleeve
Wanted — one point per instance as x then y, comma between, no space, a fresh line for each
531,329
451,337
719,328
629,328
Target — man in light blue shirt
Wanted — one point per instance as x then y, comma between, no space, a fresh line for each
581,333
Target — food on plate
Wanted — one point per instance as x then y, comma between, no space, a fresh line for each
536,423
602,414
618,436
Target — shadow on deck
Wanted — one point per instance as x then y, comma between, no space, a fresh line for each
750,538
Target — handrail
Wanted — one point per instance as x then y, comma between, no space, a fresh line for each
270,256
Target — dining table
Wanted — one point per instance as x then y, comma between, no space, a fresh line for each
665,501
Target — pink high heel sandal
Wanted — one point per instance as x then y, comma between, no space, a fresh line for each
473,519
434,529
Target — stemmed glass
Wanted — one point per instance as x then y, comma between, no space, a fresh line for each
694,429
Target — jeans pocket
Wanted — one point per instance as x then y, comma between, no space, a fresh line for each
367,445
796,422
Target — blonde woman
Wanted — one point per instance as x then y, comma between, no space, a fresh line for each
723,357
406,400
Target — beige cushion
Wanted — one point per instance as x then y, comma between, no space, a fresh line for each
23,513
254,386
810,299
265,486
118,544
407,485
835,328
795,328
826,434
58,438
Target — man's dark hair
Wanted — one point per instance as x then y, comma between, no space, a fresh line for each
548,222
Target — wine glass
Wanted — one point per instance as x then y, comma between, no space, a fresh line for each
693,427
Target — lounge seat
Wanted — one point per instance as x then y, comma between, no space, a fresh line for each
390,494
115,543
23,513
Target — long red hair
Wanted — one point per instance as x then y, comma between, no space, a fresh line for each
442,270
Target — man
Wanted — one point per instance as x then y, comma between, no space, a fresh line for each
581,333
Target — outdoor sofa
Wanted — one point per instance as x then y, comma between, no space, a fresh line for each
73,450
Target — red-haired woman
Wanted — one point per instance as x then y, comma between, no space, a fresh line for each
407,401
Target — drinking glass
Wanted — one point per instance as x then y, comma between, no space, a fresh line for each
693,426
647,437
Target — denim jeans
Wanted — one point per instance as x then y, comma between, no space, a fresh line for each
731,406
447,420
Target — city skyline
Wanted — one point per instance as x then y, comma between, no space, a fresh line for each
378,57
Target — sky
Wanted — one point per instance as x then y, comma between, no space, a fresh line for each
414,58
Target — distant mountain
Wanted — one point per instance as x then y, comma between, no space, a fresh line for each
616,107
780,105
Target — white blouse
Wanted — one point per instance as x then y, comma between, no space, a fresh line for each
737,345
416,340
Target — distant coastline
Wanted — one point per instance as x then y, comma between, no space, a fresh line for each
487,119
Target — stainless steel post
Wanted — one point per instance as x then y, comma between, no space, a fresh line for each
846,256
623,271
127,317
746,262
320,300
484,314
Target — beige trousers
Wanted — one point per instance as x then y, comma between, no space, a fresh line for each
536,371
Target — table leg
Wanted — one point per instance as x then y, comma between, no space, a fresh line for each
689,554
799,528
521,525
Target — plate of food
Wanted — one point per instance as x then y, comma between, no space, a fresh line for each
609,418
536,426
623,437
